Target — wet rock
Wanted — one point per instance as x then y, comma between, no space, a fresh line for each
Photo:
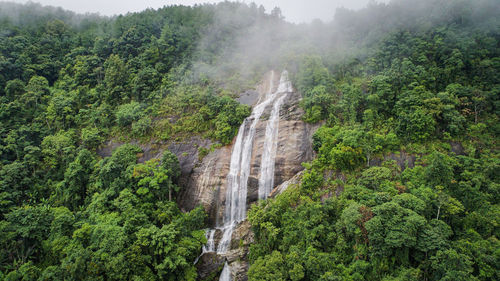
209,266
237,257
204,182
207,182
282,187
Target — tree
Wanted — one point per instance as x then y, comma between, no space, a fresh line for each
311,74
155,178
382,97
128,113
61,110
271,267
114,173
153,181
25,228
91,137
393,231
14,88
276,13
72,191
37,88
170,163
145,83
142,126
374,176
440,169
116,78
343,157
450,265
58,149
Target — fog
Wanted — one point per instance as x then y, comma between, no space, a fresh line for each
247,39
268,43
293,10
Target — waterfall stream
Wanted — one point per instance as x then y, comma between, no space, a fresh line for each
266,180
237,179
239,169
226,273
210,246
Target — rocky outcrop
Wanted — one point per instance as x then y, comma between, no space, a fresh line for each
207,183
211,264
284,186
185,150
204,182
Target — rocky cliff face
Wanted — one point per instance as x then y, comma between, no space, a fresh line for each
207,182
185,150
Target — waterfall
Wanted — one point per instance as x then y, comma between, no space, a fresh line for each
210,246
239,168
226,273
271,85
266,180
237,179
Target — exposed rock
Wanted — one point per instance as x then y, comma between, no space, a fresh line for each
239,270
403,160
203,184
248,97
282,187
457,148
207,183
212,263
186,151
209,265
237,258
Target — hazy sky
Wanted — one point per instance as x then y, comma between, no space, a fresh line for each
293,10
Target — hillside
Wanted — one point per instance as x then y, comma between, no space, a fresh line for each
133,147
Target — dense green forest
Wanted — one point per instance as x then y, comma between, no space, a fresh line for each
426,93
413,81
67,84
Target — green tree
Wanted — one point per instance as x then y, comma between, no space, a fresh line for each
72,191
116,78
128,113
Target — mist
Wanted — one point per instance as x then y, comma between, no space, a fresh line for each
247,39
297,11
266,40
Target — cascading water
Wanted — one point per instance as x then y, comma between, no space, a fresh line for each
226,273
239,169
266,180
210,246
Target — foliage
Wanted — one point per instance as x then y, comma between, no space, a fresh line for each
401,187
404,184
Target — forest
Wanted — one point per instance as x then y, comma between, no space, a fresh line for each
412,80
